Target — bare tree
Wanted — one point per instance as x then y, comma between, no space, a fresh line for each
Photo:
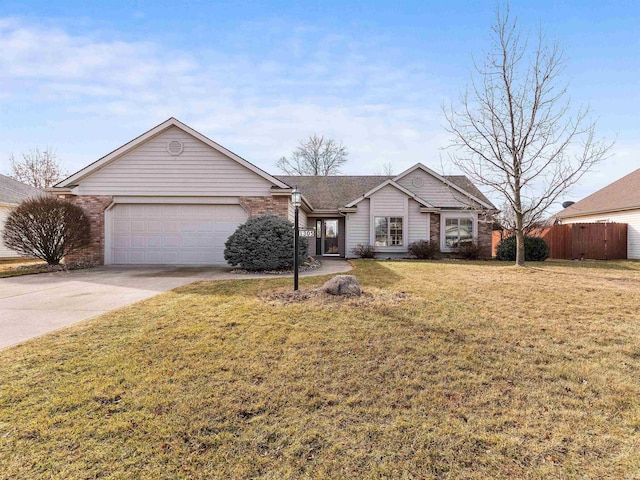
514,130
385,169
316,155
506,218
40,169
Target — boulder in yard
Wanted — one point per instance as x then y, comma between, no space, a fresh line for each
342,285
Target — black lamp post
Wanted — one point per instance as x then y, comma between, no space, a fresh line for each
296,201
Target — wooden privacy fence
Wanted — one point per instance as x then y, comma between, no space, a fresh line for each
595,241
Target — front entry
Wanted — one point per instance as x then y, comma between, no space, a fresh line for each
327,235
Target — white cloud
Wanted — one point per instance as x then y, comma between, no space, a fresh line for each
99,91
262,106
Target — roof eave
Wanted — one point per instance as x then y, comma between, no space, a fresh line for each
596,212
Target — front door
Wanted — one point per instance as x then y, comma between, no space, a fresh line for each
330,237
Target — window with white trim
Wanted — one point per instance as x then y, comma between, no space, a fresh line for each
458,231
388,231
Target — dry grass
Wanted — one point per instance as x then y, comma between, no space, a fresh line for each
8,267
443,370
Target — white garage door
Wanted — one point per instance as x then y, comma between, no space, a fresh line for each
172,234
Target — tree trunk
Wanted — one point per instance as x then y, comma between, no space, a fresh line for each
519,240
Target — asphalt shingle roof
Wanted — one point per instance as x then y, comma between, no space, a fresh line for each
14,192
619,195
335,191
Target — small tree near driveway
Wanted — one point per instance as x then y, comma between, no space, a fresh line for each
47,228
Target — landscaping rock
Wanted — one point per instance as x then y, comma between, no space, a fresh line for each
343,285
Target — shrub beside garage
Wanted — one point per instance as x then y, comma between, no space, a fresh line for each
264,243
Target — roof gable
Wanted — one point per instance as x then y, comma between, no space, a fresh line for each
149,135
623,194
469,191
391,183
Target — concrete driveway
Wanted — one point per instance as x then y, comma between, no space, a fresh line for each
32,305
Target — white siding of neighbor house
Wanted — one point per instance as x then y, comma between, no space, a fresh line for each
631,218
418,223
150,170
434,191
358,230
4,251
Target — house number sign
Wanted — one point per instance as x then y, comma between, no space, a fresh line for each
307,232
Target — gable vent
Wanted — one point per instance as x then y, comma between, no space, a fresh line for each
417,182
175,147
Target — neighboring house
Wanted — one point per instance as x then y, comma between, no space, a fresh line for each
618,202
12,193
173,196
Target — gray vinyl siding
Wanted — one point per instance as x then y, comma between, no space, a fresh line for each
302,216
358,231
434,191
390,202
418,223
150,170
630,217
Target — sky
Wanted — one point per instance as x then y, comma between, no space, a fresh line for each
84,77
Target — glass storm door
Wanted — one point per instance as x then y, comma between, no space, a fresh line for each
330,237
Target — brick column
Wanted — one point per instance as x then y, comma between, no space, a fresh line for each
485,232
434,228
94,207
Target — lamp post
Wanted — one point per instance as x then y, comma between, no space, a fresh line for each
296,201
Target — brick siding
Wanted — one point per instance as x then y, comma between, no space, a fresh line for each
94,207
256,206
484,238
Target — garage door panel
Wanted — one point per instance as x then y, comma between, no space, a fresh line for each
135,226
120,241
135,241
172,234
154,226
171,241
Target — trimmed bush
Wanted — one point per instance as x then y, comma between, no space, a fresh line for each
48,228
469,251
364,251
424,250
264,243
535,249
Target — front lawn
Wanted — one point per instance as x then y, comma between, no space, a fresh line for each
442,370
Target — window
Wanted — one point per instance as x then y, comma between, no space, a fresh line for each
458,231
388,231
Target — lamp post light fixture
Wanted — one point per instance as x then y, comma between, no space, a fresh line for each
296,201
